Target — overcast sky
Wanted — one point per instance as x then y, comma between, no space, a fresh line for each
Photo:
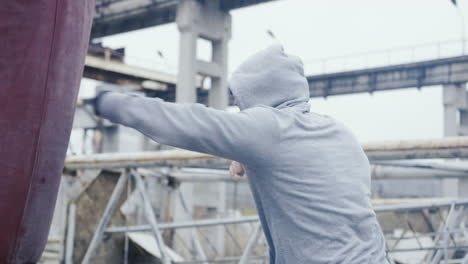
316,29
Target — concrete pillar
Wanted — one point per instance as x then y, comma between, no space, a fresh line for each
188,14
196,19
455,98
455,107
219,98
219,94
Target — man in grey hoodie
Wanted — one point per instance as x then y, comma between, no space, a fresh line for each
308,174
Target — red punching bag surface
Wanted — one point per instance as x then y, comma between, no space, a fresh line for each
43,45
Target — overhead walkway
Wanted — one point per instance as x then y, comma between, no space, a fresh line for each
444,71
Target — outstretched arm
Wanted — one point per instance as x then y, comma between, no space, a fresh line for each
237,136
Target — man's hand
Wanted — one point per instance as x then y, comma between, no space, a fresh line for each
94,102
236,169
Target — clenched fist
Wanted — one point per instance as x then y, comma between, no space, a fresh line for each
236,169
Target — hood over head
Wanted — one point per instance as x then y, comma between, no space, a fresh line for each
272,78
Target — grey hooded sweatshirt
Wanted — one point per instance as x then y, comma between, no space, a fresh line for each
309,176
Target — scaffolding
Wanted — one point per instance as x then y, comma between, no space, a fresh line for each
442,238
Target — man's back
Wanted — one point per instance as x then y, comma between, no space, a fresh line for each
315,193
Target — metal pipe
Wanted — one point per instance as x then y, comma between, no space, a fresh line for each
251,244
106,217
198,246
186,224
377,172
451,167
224,176
418,144
396,207
151,218
70,233
137,159
192,174
443,148
449,153
201,177
391,172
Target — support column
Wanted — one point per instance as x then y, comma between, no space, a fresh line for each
219,98
455,107
455,98
219,94
188,15
196,19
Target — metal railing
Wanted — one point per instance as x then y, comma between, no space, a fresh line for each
385,57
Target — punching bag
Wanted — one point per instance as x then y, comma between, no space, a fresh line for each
43,44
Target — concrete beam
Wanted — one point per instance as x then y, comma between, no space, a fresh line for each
210,69
135,14
120,73
130,18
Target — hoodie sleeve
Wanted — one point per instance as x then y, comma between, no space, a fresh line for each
236,136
